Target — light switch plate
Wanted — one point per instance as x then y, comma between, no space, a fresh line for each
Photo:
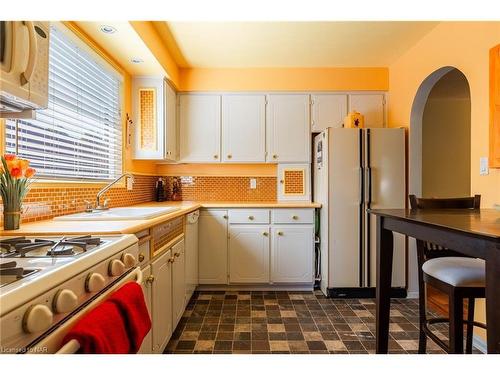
253,183
483,166
130,183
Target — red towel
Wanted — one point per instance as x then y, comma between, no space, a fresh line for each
130,301
101,331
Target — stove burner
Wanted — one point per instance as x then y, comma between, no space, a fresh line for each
22,247
10,272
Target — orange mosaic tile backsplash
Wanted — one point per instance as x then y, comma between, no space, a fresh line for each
228,189
45,203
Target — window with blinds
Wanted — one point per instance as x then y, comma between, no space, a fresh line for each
79,135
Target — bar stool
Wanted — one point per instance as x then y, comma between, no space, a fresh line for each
452,273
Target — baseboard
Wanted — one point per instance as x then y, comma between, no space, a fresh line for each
257,287
363,292
479,343
412,295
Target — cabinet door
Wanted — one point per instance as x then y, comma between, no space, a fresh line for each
243,128
292,254
171,151
249,254
178,282
372,106
288,130
327,110
149,120
162,301
212,247
147,343
200,126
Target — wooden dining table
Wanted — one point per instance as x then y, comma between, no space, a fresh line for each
471,232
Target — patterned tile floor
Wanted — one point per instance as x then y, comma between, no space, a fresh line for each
292,322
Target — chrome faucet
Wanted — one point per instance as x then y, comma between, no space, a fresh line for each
103,191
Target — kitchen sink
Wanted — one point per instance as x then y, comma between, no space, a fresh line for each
119,213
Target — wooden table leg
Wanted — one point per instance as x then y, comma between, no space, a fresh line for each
493,300
384,277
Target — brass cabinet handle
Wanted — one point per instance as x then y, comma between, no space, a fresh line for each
251,217
225,216
150,279
229,156
275,156
216,156
141,257
280,233
177,255
295,217
265,234
171,260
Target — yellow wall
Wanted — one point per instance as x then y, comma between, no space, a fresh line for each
153,41
464,45
129,165
283,79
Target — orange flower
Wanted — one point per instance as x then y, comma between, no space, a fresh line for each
24,164
13,163
10,157
29,172
16,172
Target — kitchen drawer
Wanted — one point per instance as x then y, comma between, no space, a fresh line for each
248,216
293,216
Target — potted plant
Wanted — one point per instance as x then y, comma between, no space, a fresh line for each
15,179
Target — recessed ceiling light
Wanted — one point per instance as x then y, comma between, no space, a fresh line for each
136,60
106,29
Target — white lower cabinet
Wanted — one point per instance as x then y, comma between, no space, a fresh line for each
161,299
178,282
147,343
292,253
249,254
212,257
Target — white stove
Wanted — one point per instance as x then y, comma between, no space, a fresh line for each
45,281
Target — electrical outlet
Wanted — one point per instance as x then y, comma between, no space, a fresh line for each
130,183
253,183
483,166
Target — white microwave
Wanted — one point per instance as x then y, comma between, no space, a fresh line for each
24,67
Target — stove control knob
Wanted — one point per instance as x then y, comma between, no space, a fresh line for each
64,301
37,318
128,259
94,282
116,267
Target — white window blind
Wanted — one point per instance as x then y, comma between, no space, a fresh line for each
79,135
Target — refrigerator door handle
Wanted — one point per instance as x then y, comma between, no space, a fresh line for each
368,191
361,185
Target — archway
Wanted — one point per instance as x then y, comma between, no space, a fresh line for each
439,143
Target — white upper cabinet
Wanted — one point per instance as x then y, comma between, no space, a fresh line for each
200,128
171,141
288,130
154,115
372,106
327,110
243,128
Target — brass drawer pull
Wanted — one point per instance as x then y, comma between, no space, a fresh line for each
295,217
280,233
251,217
150,279
265,234
177,255
141,257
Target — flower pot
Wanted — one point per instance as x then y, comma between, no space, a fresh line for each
11,220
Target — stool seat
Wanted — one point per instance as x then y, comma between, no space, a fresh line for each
457,271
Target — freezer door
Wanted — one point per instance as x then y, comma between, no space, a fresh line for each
385,188
345,203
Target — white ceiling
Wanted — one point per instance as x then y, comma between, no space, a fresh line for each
289,44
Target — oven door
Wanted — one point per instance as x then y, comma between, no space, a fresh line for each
50,343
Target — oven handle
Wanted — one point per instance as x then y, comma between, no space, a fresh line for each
72,346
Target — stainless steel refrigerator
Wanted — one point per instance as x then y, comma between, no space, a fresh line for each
353,170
